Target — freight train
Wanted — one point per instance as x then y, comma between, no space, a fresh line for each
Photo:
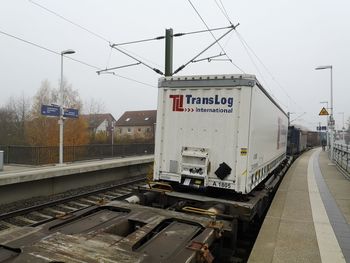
300,140
221,152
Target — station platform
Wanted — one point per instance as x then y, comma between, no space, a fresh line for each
308,220
21,173
22,182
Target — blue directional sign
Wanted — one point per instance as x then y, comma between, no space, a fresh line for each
71,113
50,110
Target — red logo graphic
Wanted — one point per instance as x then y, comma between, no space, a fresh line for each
178,101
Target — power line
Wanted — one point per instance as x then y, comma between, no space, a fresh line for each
76,60
131,42
245,45
223,10
69,21
83,28
266,68
255,65
30,43
201,18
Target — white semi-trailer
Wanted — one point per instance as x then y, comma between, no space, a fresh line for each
222,131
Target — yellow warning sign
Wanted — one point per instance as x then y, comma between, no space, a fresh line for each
323,112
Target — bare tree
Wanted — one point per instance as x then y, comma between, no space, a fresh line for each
13,117
43,130
94,107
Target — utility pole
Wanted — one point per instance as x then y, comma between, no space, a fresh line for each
168,52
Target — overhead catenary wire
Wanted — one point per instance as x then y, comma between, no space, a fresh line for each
70,58
84,28
247,46
127,52
68,20
261,75
201,18
267,69
223,10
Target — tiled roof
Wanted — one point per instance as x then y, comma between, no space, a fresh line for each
94,120
138,118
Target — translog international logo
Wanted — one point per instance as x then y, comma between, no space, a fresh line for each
178,102
190,103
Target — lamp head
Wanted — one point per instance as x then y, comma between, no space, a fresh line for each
67,52
323,67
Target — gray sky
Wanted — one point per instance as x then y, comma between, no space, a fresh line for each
290,37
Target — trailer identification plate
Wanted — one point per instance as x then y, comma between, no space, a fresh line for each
221,184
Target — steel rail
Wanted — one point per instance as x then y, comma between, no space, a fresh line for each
33,208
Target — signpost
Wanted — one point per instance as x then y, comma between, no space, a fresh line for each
57,111
323,112
71,113
50,110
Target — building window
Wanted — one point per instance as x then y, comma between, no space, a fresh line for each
139,129
129,130
148,130
146,119
127,119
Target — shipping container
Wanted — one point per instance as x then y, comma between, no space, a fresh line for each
297,140
313,139
222,131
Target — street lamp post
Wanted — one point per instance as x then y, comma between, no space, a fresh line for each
61,120
331,119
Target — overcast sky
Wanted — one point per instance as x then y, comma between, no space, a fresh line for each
290,37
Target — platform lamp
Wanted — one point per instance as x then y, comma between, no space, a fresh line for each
61,120
331,119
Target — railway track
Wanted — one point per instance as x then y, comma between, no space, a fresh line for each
60,208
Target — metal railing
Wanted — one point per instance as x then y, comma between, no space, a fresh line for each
341,156
39,155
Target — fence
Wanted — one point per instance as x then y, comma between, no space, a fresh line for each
38,155
341,155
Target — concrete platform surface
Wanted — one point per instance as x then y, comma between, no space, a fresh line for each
20,173
308,220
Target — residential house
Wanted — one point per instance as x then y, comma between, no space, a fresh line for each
99,126
136,125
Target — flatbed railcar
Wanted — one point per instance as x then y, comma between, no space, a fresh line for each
221,132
